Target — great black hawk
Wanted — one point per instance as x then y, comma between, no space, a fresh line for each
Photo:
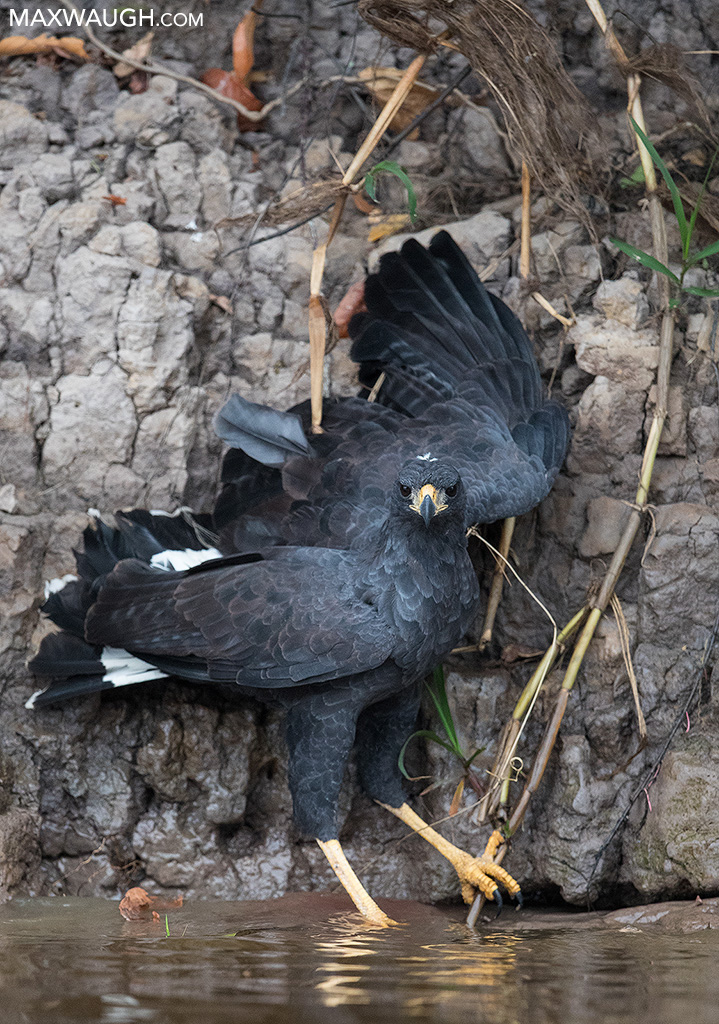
342,575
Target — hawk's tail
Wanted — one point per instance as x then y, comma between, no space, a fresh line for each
69,665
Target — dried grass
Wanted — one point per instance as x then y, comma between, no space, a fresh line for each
547,118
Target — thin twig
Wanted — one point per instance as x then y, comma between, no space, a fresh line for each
627,656
152,68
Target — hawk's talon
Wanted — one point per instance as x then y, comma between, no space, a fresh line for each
497,897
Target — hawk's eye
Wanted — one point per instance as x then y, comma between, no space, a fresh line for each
405,490
451,491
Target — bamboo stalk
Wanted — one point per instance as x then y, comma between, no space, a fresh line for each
498,793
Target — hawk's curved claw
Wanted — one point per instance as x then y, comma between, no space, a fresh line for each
481,874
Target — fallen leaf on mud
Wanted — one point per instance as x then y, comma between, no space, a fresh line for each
243,52
138,52
222,301
226,82
138,905
456,799
353,302
389,225
363,204
381,82
519,652
233,84
17,46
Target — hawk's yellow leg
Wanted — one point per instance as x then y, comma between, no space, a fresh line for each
353,887
476,874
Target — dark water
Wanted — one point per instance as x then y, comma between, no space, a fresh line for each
306,958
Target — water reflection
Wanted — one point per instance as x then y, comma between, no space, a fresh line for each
304,958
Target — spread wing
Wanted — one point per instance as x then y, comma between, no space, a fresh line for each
299,616
460,381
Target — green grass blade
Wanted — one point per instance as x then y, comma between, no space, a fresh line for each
477,752
644,258
369,185
438,694
711,293
671,185
391,167
636,178
697,204
427,734
711,250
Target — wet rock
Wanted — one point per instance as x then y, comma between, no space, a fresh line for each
676,851
19,849
681,564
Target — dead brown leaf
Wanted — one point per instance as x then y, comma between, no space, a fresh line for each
519,652
115,200
227,83
363,204
18,46
382,82
353,302
138,52
222,301
456,799
233,84
138,905
390,224
243,54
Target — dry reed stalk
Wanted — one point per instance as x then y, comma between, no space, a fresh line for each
598,605
565,321
318,316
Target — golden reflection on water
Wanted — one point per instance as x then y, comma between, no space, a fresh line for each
434,975
62,962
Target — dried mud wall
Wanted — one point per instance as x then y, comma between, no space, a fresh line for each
124,326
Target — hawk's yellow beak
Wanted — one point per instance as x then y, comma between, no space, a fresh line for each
427,501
